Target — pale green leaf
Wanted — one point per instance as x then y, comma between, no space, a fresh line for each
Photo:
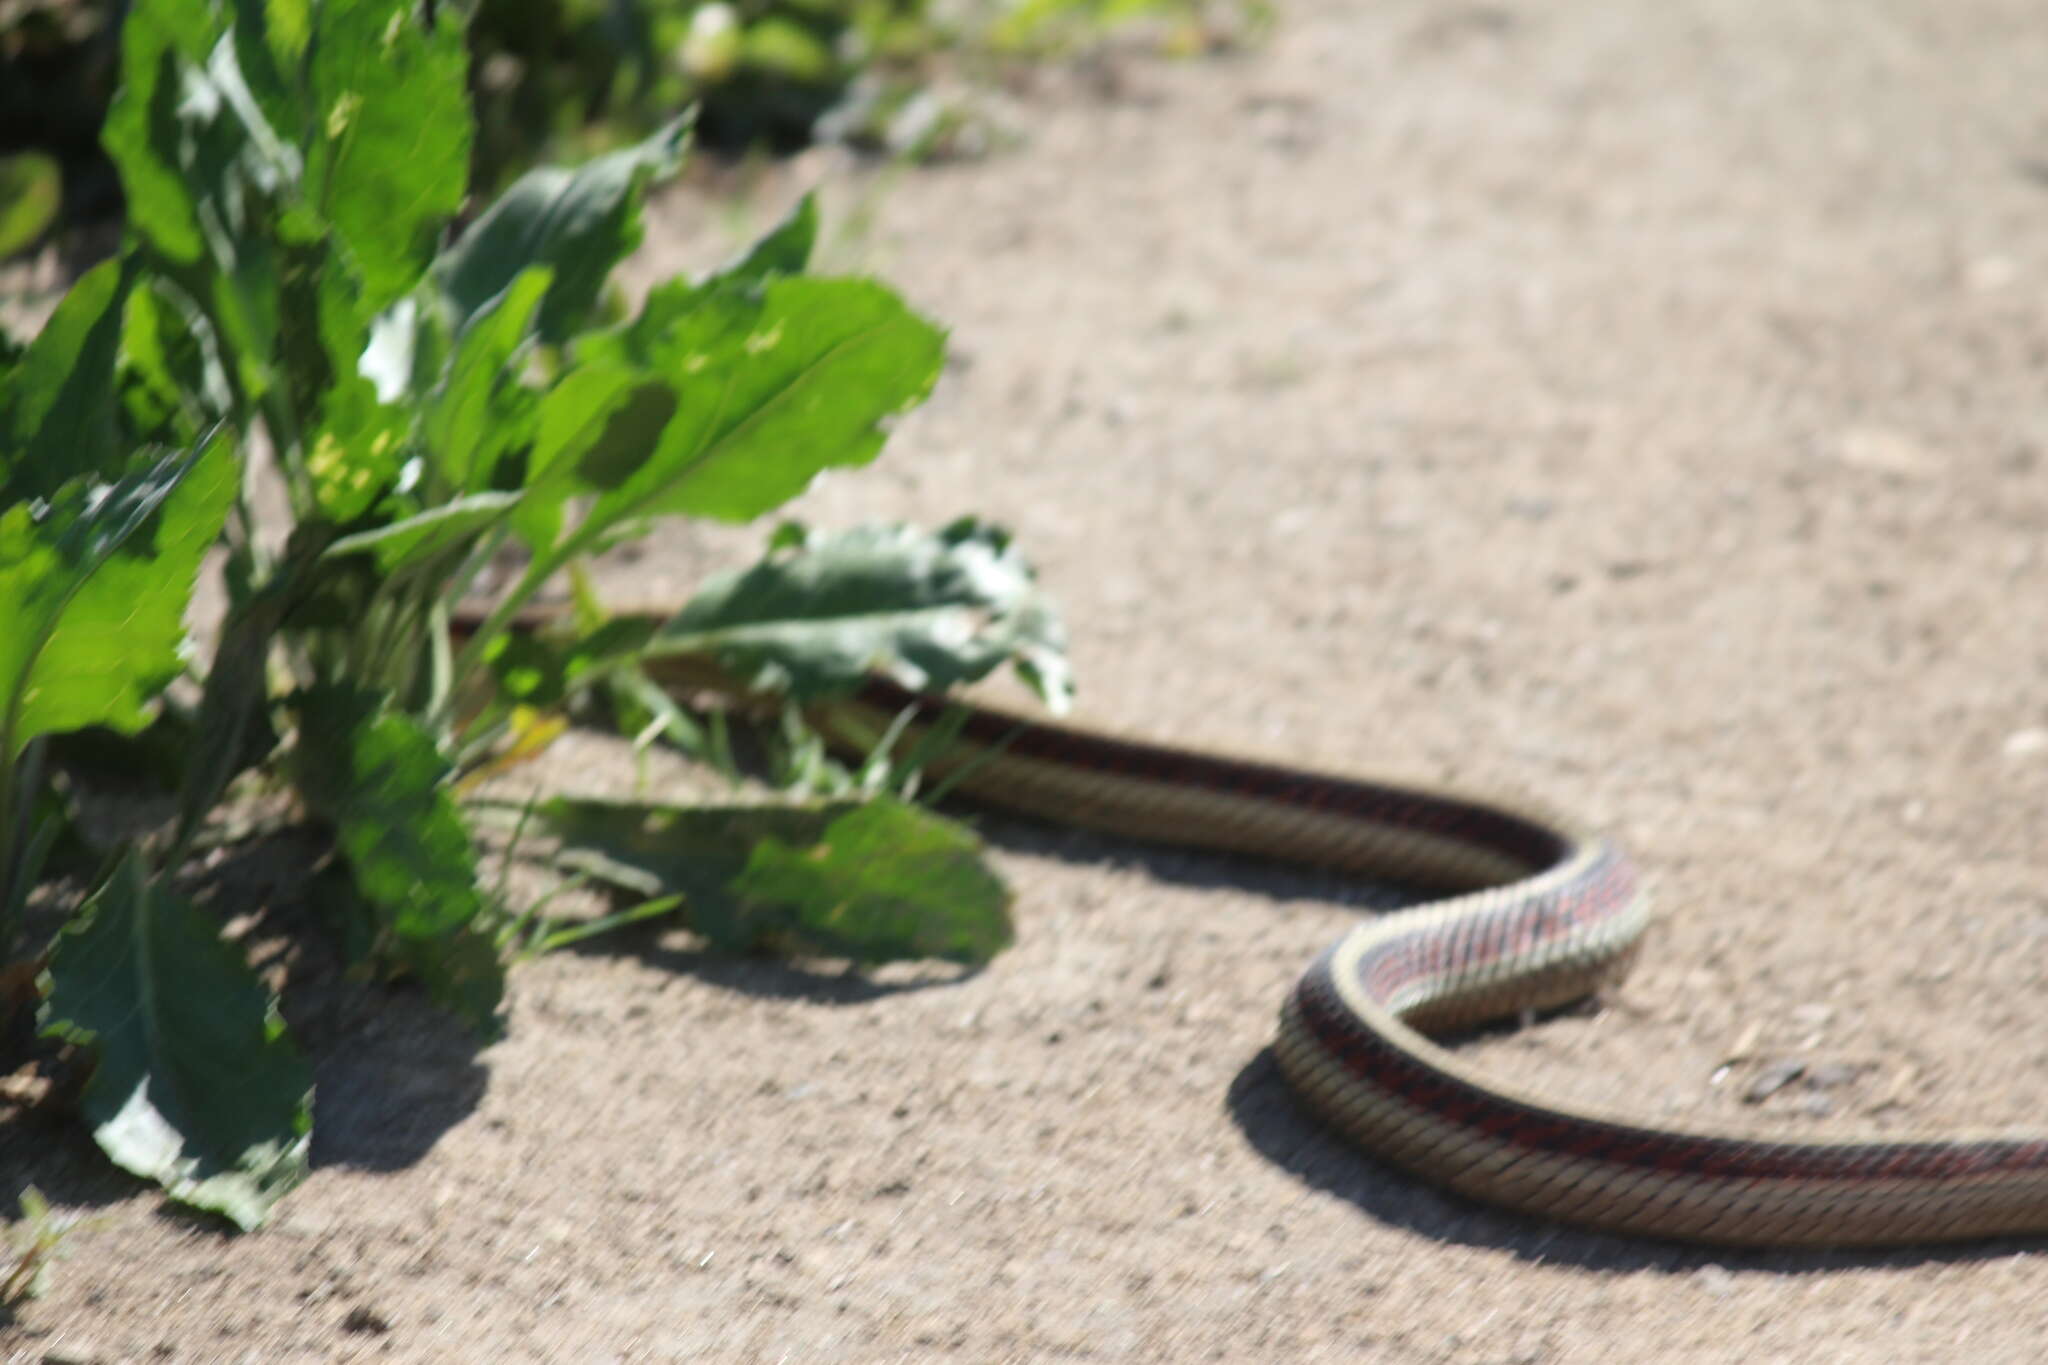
822,612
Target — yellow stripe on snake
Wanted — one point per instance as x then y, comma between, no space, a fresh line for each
1536,913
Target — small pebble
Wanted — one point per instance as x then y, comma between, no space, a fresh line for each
1771,1080
2026,743
364,1319
1885,451
1714,1281
1814,1015
1832,1075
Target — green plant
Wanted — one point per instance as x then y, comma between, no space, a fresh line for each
775,73
32,1245
572,77
287,326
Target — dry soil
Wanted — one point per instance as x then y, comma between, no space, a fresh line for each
1639,406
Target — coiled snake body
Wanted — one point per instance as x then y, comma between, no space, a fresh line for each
1537,913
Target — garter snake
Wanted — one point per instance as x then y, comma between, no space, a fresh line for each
1534,913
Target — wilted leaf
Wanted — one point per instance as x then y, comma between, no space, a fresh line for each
822,612
196,1085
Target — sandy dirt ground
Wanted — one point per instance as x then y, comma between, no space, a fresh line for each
1642,407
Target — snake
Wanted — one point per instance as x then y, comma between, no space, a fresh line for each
1529,912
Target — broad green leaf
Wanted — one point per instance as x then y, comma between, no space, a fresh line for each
195,1084
884,881
142,134
596,428
198,157
785,250
773,390
580,222
821,612
270,38
618,411
377,775
96,583
389,158
483,408
208,178
876,881
242,174
379,778
212,185
31,186
246,300
55,420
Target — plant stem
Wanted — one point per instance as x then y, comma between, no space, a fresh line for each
17,807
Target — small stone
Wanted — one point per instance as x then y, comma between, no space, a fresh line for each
1990,274
1714,1281
1832,1075
362,1318
1887,452
2026,743
1771,1080
1744,1046
1815,1015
